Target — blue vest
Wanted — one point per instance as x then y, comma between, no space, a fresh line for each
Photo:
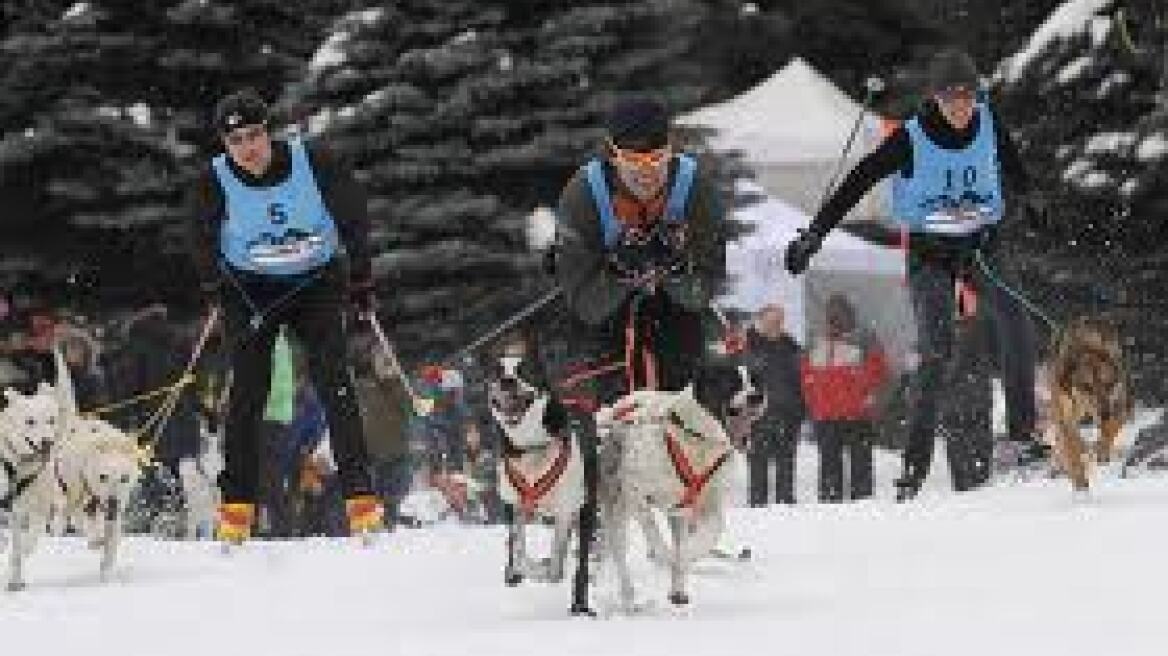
954,192
611,228
282,230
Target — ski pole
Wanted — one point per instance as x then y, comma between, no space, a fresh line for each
531,309
422,406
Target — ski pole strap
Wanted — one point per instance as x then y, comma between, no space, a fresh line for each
1013,293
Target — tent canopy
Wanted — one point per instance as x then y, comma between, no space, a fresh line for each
871,275
794,115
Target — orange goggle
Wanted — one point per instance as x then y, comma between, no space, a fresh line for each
649,159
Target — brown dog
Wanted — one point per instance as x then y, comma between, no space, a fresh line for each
1088,381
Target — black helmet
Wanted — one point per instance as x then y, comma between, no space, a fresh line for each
639,124
238,109
953,67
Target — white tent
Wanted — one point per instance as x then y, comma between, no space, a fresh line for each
791,129
872,277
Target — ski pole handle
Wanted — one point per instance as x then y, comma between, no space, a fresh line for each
421,405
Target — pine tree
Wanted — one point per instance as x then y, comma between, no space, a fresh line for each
104,125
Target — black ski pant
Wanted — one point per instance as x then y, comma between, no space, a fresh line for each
837,438
931,284
314,315
773,439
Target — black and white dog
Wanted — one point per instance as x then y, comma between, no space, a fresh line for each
542,475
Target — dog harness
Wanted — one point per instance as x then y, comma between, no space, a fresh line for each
21,485
531,493
694,481
92,503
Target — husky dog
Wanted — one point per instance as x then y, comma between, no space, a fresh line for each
667,451
85,476
1088,381
541,476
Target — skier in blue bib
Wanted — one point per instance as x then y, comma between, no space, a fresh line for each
280,237
954,167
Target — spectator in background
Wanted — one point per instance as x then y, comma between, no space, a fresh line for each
385,411
774,357
841,374
154,355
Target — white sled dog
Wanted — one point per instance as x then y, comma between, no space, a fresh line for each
665,450
85,478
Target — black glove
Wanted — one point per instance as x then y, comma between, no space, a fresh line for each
362,297
800,251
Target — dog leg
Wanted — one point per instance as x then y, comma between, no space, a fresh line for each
1070,446
1108,434
617,540
677,594
512,574
109,538
658,551
20,528
561,536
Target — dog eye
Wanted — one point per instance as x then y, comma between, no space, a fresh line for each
103,478
125,479
30,421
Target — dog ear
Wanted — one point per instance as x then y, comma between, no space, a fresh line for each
555,417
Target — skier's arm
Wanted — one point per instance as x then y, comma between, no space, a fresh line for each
348,204
592,292
206,212
892,156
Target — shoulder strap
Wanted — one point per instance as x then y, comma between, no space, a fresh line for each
608,223
682,185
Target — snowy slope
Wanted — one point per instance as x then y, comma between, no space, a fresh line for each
1015,570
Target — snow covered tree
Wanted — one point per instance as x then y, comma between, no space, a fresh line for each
1092,123
462,117
103,119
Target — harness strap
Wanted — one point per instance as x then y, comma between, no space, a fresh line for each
21,485
531,493
675,206
694,482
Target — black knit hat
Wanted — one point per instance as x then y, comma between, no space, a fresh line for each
639,124
952,68
241,108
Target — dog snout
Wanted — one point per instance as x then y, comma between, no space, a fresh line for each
509,385
755,398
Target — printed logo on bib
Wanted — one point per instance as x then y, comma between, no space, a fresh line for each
960,200
287,248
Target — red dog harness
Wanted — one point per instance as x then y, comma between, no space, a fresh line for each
694,482
531,493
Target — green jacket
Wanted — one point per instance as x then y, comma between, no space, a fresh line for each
281,406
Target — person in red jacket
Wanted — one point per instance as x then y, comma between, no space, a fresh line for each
840,374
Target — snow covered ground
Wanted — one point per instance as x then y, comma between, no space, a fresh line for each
1015,569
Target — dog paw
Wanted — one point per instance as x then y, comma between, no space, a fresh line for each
512,579
15,586
679,598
